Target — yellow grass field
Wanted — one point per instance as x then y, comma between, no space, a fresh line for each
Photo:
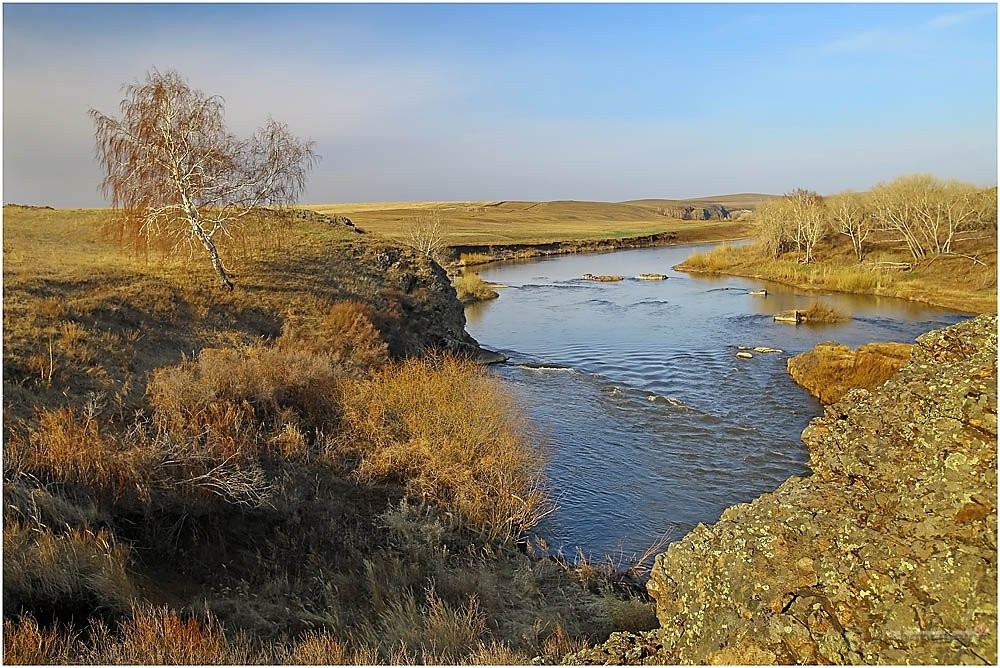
515,222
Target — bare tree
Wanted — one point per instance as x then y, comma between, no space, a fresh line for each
426,235
894,206
808,211
173,170
850,216
928,213
774,227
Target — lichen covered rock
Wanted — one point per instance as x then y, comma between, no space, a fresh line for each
886,554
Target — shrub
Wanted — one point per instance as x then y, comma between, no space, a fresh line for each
346,332
224,397
157,636
475,258
820,312
27,644
471,288
451,435
67,446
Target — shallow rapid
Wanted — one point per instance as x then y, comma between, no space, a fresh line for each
652,423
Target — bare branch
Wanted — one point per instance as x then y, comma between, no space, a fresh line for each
173,171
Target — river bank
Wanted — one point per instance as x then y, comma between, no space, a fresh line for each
466,255
886,554
965,283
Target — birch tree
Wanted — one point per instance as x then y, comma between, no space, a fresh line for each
809,213
927,213
426,235
849,215
172,170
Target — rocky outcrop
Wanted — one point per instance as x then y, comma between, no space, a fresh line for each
830,369
886,554
421,310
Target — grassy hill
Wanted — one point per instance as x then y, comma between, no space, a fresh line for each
199,476
519,222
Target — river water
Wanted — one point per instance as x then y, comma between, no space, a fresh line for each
652,423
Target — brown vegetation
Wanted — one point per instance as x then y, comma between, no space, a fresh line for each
489,224
200,476
830,369
822,312
471,288
173,171
915,238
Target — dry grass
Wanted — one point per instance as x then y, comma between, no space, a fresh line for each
76,572
952,281
830,370
232,455
449,432
491,223
822,312
471,288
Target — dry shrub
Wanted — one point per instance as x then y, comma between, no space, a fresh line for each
475,258
40,508
161,636
452,435
434,632
820,312
27,644
346,331
68,446
318,649
224,396
77,572
471,288
634,615
559,643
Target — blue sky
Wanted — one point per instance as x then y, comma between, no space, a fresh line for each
604,102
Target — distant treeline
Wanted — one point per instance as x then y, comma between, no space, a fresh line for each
925,213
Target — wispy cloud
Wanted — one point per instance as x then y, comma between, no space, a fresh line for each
904,42
955,18
911,40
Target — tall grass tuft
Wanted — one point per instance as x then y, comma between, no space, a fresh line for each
820,312
471,288
76,572
450,434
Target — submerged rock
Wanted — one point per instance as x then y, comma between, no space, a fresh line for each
651,277
602,278
886,554
743,355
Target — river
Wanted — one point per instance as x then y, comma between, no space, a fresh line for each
651,422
